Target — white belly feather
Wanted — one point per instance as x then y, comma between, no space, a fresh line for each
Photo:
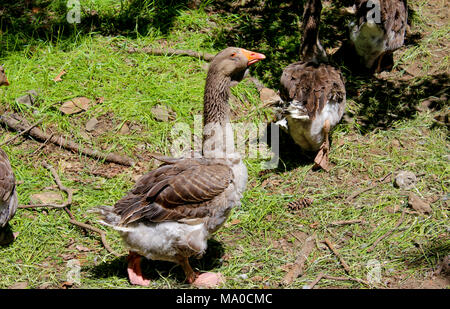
309,134
369,40
161,241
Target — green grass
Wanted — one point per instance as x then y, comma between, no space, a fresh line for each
263,235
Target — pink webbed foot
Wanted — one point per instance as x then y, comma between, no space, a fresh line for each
134,270
209,280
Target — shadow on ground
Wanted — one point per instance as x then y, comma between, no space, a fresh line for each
428,254
47,20
383,102
154,270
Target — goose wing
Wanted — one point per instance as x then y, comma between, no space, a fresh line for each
7,187
313,85
183,189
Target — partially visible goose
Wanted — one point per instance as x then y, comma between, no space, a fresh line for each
8,194
172,211
379,30
313,92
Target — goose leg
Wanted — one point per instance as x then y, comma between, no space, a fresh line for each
134,270
205,280
378,69
321,159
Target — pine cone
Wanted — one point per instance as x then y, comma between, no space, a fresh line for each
300,203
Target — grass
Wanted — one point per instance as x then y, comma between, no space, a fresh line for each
384,133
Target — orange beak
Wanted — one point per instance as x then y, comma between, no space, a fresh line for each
6,83
252,56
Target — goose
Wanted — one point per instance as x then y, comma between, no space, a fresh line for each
173,210
8,193
379,30
312,92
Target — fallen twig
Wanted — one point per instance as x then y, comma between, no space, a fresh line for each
318,278
60,186
66,205
17,123
297,269
342,261
171,51
373,185
21,133
43,145
94,229
346,279
345,222
388,233
323,276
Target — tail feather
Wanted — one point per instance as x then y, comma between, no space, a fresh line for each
109,217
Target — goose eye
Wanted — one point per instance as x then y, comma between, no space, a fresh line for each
233,54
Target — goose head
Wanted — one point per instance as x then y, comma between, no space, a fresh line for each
233,62
3,79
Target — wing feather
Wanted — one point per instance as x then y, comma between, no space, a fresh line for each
311,84
182,190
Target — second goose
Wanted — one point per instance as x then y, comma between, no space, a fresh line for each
313,92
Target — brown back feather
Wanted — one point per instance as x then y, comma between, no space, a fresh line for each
7,179
312,84
185,189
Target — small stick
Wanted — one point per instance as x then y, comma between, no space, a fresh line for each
60,186
58,77
323,276
388,233
43,145
94,229
345,222
346,279
373,185
297,269
318,278
171,51
21,133
343,263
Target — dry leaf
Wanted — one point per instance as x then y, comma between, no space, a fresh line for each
46,198
75,105
90,125
163,113
418,204
58,77
124,130
233,222
82,248
18,285
66,284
